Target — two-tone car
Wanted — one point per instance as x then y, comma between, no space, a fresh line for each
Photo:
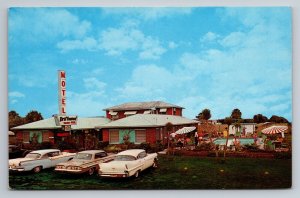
85,162
128,163
40,159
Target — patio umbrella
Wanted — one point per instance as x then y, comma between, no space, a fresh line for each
274,129
185,130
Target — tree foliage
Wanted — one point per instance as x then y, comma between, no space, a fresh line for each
33,116
204,115
259,118
236,114
14,119
278,119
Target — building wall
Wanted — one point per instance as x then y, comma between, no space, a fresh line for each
25,135
105,133
151,135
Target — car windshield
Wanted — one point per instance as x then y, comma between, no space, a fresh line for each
83,156
33,155
124,158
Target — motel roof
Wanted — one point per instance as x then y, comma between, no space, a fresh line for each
148,120
141,106
52,123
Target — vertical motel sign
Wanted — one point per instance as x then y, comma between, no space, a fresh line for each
62,92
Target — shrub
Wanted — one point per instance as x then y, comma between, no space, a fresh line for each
204,147
283,155
113,149
46,145
251,147
66,146
102,145
145,145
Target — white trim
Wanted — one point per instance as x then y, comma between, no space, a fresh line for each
113,113
163,110
147,112
130,112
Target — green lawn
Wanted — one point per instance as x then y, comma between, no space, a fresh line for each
175,172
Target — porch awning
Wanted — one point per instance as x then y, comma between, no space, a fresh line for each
185,130
130,112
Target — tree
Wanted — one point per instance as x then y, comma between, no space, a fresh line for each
33,116
14,119
278,119
169,129
259,118
204,115
236,114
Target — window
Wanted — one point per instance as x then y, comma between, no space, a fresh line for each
100,155
114,136
140,136
158,134
53,154
174,111
142,155
26,136
45,136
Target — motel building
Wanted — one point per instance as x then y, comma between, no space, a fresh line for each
136,122
146,122
132,108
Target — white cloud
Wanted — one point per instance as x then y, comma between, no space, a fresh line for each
16,94
172,45
90,101
233,39
147,13
116,41
48,23
209,37
85,44
148,81
94,84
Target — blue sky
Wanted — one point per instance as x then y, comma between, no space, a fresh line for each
216,58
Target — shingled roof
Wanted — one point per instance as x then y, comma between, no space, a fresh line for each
148,120
141,106
51,123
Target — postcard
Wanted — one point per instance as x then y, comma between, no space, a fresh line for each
123,98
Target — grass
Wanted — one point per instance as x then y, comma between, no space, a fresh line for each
174,172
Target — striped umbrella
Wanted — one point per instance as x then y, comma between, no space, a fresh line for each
274,129
185,130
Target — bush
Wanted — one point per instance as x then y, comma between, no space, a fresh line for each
145,145
113,149
66,146
204,147
46,145
283,155
102,145
251,147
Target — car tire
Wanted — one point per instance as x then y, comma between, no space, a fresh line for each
155,164
91,171
37,169
136,174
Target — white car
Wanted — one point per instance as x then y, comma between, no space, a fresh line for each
40,159
84,162
128,163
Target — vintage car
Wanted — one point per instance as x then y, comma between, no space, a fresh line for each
84,162
128,163
40,159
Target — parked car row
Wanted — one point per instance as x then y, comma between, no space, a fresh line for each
124,164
